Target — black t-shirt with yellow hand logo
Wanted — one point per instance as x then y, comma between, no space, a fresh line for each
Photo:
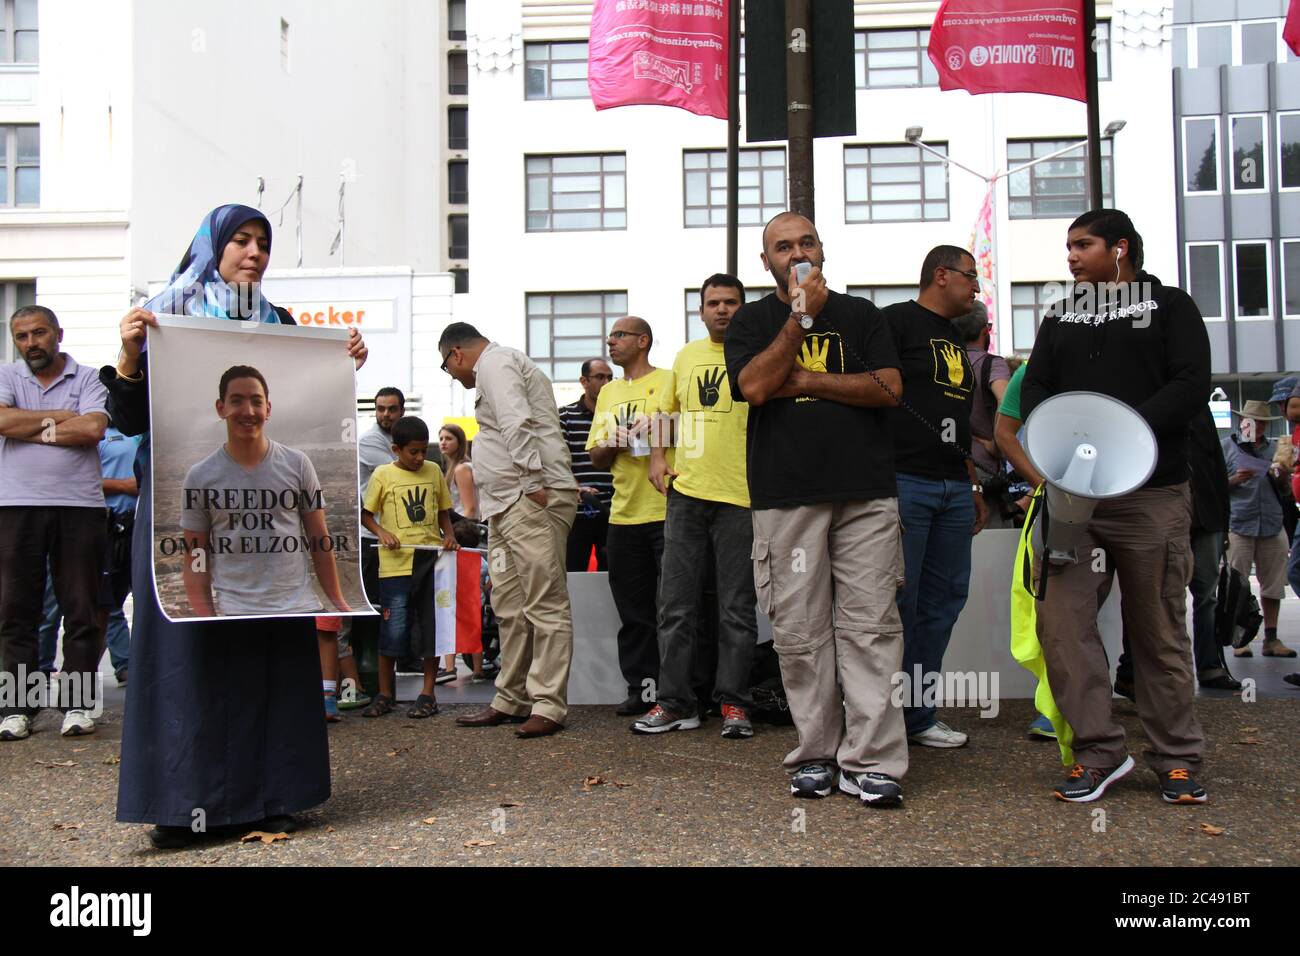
804,450
938,382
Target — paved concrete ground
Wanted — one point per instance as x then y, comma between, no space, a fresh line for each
416,792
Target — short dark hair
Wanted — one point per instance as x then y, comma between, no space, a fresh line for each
459,335
722,281
1111,225
390,390
241,371
24,311
971,326
467,533
409,428
586,366
941,257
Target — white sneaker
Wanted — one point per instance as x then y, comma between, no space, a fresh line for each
76,723
15,727
939,735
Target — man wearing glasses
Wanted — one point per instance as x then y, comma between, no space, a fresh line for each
940,500
595,487
528,496
620,443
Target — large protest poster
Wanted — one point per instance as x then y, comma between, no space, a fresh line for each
255,504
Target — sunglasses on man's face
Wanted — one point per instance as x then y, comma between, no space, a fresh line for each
445,359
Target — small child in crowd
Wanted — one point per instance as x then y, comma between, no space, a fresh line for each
406,503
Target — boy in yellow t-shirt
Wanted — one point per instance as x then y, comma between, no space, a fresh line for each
413,506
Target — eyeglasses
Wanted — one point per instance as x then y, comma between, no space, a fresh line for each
619,333
446,358
972,275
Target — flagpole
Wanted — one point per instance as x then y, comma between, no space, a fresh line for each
1094,111
733,134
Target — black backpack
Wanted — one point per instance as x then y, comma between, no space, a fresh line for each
1236,612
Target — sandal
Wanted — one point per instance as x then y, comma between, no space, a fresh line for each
424,706
381,705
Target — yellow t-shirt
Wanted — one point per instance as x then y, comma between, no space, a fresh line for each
710,455
635,499
406,504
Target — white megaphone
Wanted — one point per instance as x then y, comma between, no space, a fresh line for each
1088,446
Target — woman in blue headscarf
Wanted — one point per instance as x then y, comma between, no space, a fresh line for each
223,724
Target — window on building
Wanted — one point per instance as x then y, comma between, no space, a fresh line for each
18,31
458,230
760,192
458,127
695,325
1249,147
1241,43
1205,277
20,152
892,58
455,19
1291,277
555,71
1288,149
1252,279
14,294
1029,300
1057,188
457,181
567,328
457,73
894,184
1103,50
461,278
284,45
576,192
1201,154
883,295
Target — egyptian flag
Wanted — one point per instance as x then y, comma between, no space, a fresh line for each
458,602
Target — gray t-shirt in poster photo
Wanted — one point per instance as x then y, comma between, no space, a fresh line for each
259,557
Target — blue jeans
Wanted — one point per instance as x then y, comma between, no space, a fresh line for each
1293,566
394,625
938,517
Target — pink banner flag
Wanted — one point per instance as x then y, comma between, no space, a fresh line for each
1291,29
1012,46
647,52
981,247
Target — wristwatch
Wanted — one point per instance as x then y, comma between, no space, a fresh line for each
977,489
803,318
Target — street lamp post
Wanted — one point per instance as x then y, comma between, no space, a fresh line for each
913,136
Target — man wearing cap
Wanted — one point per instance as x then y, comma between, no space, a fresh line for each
1256,537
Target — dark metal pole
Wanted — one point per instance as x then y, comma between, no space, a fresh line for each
1095,200
799,104
733,134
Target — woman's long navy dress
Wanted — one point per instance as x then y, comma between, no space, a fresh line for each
225,718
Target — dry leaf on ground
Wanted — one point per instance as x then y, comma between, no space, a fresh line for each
1209,829
263,836
589,782
112,760
428,820
56,763
66,826
480,842
1250,741
399,750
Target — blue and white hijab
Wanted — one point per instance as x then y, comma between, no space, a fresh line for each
196,287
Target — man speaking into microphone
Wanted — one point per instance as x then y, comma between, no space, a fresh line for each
1122,333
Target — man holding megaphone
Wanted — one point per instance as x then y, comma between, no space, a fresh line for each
1116,469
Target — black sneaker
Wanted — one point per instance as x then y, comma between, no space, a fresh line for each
1124,687
1177,786
813,780
634,705
875,789
1085,784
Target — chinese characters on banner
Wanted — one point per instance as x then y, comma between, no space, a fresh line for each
648,52
1013,46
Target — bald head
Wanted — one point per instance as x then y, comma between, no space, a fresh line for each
794,219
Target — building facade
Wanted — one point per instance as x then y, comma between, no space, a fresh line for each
124,121
583,216
1236,94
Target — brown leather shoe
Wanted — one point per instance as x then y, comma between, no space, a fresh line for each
538,726
488,717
